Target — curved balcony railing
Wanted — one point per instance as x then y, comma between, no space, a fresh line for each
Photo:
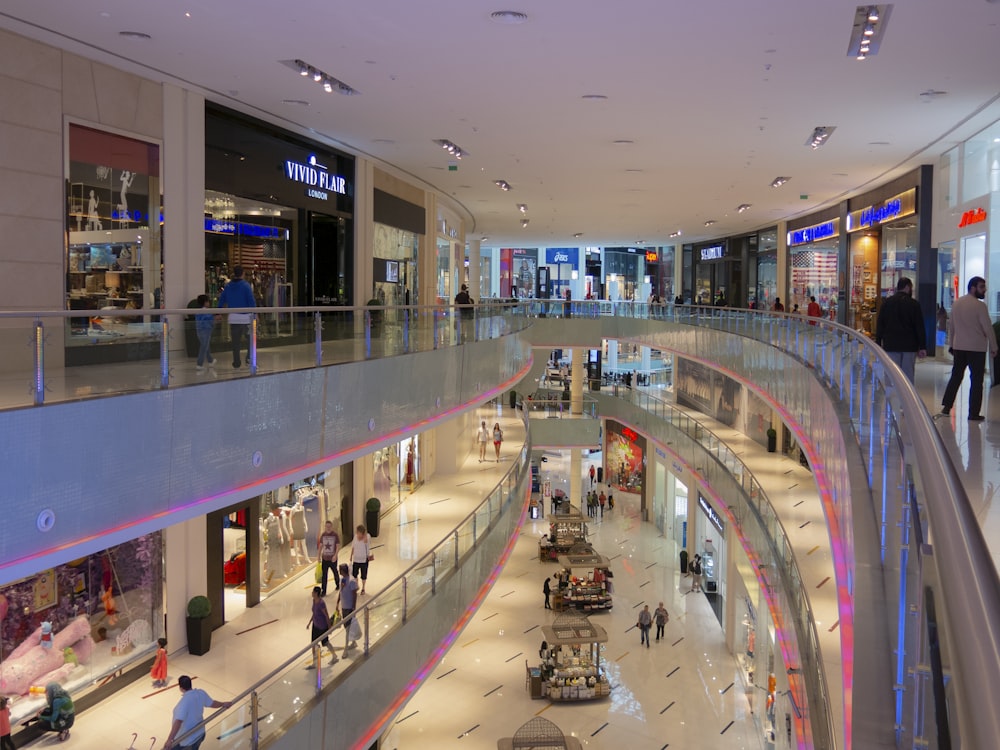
266,710
763,536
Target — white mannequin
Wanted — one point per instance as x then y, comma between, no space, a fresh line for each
300,530
275,564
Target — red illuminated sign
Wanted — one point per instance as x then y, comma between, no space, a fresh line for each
651,256
631,434
972,217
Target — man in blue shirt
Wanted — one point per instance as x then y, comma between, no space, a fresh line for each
238,294
189,713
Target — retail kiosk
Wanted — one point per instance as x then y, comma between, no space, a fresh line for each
586,593
565,532
571,662
539,733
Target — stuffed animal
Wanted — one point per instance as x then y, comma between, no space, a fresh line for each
69,656
45,639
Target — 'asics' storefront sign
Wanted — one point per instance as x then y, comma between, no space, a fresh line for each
316,177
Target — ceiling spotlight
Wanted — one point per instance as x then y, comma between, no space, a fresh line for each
445,144
303,68
861,55
327,86
502,184
317,75
451,148
869,30
484,239
873,14
675,234
779,181
743,207
458,153
524,223
710,222
578,235
820,135
522,207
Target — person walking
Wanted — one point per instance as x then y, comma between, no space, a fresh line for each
482,438
361,555
644,624
593,472
661,617
466,312
777,306
547,589
159,669
600,501
971,337
497,439
189,713
347,602
320,624
203,324
696,573
814,310
328,546
900,328
238,294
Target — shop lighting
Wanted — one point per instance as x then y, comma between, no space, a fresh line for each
820,135
779,181
327,81
502,184
867,30
862,55
742,208
578,235
873,14
522,207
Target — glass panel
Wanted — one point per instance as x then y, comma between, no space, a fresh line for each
231,730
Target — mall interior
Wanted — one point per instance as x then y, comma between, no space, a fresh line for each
656,484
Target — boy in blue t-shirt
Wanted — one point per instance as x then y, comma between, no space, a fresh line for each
203,324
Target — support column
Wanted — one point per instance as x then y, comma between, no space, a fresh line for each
186,562
644,359
576,479
612,354
577,375
475,271
364,233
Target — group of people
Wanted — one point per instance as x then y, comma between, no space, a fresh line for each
596,503
483,437
237,293
646,620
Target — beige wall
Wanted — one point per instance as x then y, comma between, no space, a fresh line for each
40,87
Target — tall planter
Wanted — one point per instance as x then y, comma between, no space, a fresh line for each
199,625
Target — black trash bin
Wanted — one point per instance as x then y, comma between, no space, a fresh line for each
600,475
372,510
684,562
513,399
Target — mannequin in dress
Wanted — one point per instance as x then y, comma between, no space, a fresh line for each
275,562
286,540
300,529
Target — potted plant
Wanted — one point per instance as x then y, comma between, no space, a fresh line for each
772,440
199,625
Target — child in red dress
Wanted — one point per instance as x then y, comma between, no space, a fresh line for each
159,670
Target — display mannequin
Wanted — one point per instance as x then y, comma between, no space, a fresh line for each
263,548
273,530
297,517
286,540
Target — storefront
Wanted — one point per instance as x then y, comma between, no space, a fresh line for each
564,270
660,272
399,226
762,271
113,250
716,270
624,458
813,252
889,238
625,275
80,622
709,541
282,208
518,270
451,263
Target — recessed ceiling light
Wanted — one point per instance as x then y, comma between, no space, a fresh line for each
675,234
873,14
522,207
878,143
383,140
742,208
578,235
594,97
930,95
135,35
710,222
502,184
996,140
820,135
509,17
779,181
524,223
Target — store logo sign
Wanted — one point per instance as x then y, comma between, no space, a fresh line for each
879,214
315,177
651,256
631,434
712,253
811,234
972,217
713,516
221,226
557,255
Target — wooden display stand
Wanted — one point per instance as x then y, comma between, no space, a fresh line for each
572,671
588,595
566,532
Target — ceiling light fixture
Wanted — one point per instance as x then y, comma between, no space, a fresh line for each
594,97
524,223
502,184
742,208
327,81
141,36
779,181
578,235
522,207
457,151
509,17
710,222
867,30
675,234
873,14
820,135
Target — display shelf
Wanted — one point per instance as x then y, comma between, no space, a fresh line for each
571,664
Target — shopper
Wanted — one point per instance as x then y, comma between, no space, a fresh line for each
593,472
328,546
6,743
661,617
159,670
547,589
482,438
601,501
189,713
644,623
696,573
238,294
347,602
58,714
900,328
466,312
497,439
611,501
814,310
320,623
361,555
203,325
777,306
971,337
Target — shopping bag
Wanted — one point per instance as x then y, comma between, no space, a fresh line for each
355,629
319,571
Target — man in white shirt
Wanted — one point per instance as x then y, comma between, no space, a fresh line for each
971,337
189,713
482,437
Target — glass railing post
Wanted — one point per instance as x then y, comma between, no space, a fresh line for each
455,534
404,600
318,333
255,719
164,354
39,347
368,334
253,345
366,633
406,330
434,575
435,314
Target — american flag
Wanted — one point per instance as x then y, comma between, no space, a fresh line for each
814,268
264,255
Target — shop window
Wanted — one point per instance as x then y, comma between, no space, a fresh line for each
80,622
947,179
113,222
814,274
395,267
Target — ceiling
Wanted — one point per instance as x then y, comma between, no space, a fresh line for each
707,102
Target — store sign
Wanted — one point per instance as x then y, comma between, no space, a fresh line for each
713,516
221,226
316,177
808,235
652,256
901,205
556,255
631,434
712,253
972,217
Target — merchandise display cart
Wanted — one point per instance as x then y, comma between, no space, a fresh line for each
571,664
565,532
539,733
585,593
